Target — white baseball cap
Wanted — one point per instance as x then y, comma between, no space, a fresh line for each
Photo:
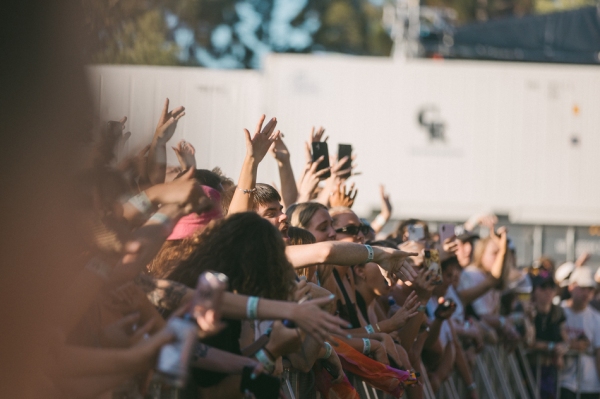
583,277
563,272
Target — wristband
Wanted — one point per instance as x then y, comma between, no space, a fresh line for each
141,202
551,346
328,350
262,357
422,308
98,267
370,329
366,346
163,219
252,308
380,220
472,387
371,253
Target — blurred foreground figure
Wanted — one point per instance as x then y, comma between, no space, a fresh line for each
46,113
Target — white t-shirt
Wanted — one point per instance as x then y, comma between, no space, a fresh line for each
588,323
488,303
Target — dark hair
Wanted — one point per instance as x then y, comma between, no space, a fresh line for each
246,248
265,194
300,236
226,182
206,178
451,261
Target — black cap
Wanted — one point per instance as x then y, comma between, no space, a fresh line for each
543,280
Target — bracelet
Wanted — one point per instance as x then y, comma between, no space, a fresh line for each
252,308
377,325
371,253
247,191
163,219
366,346
328,350
98,267
262,357
472,387
551,346
370,329
380,220
141,202
422,308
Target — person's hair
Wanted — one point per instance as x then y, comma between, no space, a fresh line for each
206,178
478,251
339,210
248,250
226,198
226,182
402,228
300,236
171,253
265,194
451,261
304,212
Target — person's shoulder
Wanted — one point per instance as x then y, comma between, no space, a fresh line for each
593,313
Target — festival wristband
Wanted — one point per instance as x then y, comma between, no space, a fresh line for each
366,346
164,220
252,308
380,220
370,329
371,253
328,350
263,358
142,203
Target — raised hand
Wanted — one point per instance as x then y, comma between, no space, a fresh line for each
319,324
185,192
279,150
394,262
185,154
168,122
423,284
317,135
310,181
386,206
341,197
258,145
408,310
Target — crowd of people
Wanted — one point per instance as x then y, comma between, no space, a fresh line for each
176,281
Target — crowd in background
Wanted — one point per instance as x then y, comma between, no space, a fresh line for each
174,281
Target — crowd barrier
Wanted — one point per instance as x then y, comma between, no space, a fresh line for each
498,374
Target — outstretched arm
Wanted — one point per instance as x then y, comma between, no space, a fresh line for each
289,190
256,149
157,156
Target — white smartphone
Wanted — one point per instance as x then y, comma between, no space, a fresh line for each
416,232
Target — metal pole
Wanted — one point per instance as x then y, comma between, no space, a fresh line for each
514,367
485,377
499,372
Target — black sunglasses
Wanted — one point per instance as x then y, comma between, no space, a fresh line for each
353,230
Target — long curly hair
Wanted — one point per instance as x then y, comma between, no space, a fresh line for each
248,250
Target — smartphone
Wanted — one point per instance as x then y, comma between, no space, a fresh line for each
345,150
446,304
174,357
446,231
416,232
320,149
431,261
264,386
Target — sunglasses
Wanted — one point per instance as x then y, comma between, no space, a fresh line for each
353,230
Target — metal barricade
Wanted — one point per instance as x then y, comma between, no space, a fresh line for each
538,372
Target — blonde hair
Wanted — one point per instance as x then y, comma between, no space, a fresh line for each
480,247
304,212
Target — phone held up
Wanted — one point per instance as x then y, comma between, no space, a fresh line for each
432,262
416,232
446,231
345,150
320,149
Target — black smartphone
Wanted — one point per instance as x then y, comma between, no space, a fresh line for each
263,386
345,150
320,149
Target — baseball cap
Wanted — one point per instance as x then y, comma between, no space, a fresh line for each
583,277
563,273
543,280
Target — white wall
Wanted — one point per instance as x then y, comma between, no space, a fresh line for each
508,127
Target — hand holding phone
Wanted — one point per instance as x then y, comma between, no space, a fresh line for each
345,150
320,149
207,300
